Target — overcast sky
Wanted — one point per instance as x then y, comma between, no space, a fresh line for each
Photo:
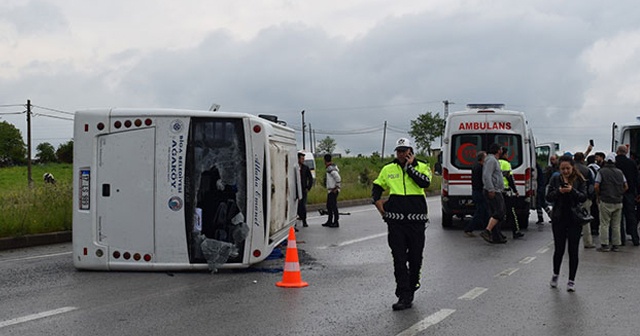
572,66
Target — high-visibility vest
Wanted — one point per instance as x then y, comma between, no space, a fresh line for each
393,178
505,166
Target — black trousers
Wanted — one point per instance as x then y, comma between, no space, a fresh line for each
565,232
406,241
512,217
302,207
332,207
629,222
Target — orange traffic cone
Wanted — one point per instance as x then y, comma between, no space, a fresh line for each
291,277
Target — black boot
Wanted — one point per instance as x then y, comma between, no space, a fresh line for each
304,223
405,302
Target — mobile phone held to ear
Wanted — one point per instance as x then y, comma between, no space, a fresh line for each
591,142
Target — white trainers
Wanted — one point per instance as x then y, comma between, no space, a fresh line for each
571,286
554,281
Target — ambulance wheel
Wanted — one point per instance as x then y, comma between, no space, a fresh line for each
447,220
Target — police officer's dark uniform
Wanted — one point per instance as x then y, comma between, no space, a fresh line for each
406,215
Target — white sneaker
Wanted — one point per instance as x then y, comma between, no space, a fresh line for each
571,286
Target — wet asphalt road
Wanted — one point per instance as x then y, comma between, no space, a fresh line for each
469,288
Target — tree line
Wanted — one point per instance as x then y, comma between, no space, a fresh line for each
13,150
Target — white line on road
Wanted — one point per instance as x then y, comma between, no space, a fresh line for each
507,272
473,294
36,257
527,260
543,250
430,320
36,316
349,242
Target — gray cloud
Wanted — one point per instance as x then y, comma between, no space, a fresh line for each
35,17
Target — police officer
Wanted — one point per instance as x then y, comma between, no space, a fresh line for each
510,193
406,215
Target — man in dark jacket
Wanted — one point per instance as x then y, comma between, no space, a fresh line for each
481,214
405,213
610,186
629,223
306,180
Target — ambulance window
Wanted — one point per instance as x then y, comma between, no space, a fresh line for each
633,141
514,146
464,148
542,155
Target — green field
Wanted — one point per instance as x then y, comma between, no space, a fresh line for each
47,208
40,209
357,176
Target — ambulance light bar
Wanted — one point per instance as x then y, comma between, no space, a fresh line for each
485,106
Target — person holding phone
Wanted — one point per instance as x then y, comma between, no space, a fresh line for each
406,215
566,190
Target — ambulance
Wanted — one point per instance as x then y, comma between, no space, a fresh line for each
628,135
475,129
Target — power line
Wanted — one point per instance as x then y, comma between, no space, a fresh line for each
397,129
51,116
53,110
12,105
13,112
39,139
367,130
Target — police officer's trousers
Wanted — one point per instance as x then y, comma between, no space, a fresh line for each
406,241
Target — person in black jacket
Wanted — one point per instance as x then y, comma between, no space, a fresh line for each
566,190
629,224
481,214
306,180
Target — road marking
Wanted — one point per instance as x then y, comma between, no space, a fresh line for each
545,248
430,320
349,242
527,260
36,257
36,316
474,293
507,272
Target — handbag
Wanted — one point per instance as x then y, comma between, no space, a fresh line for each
581,215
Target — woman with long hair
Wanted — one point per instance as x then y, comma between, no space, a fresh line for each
566,190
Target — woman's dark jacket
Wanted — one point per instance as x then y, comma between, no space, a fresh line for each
564,202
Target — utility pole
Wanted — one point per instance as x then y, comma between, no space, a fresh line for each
446,114
310,139
303,144
314,143
384,139
446,108
29,179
